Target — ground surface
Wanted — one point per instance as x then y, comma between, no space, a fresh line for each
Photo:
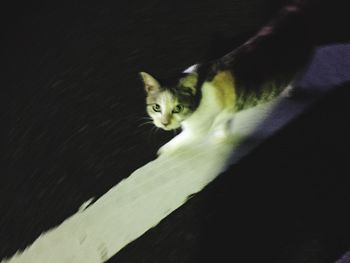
72,106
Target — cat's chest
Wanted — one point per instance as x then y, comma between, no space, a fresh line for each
218,95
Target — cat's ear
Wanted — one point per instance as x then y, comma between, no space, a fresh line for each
150,83
189,82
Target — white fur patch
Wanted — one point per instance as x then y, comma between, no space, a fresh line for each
191,69
166,102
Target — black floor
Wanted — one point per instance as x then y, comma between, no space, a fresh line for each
72,106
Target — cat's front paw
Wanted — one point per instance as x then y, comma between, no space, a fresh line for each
167,148
178,143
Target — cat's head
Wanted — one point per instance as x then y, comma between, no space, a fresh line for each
170,102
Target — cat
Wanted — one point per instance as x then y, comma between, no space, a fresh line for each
180,103
204,95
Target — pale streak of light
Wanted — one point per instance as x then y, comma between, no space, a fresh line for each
152,192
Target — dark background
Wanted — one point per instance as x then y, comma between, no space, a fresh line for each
72,106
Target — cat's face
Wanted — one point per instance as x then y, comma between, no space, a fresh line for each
169,105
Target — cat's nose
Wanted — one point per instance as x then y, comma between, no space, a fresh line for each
165,123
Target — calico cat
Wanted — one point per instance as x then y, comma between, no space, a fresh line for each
255,72
172,103
181,102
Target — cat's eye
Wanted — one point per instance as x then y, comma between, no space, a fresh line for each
156,107
178,108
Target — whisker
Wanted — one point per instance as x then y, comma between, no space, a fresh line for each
152,132
155,130
145,123
145,118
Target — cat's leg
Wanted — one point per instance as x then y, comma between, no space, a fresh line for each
199,126
221,129
216,128
182,139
